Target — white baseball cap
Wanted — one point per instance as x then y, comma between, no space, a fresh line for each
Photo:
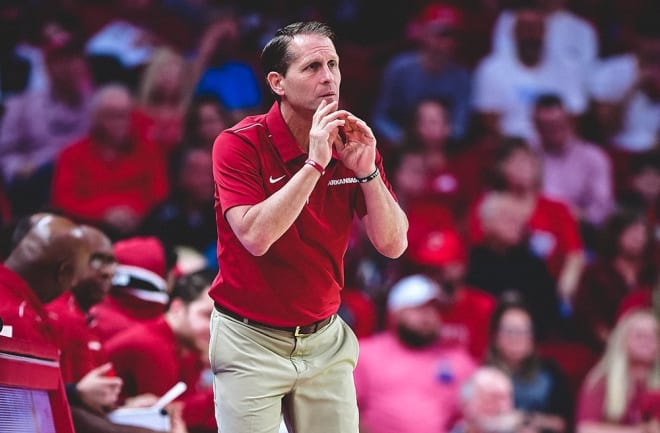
412,291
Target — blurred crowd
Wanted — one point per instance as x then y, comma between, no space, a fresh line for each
522,138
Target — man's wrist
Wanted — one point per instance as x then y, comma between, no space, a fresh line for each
368,178
316,166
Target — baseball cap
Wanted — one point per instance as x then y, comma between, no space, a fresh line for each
412,291
441,15
437,248
141,264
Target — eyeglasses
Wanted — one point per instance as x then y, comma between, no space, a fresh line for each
100,261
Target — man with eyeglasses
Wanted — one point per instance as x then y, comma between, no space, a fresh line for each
92,388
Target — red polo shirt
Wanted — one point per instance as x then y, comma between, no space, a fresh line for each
80,345
298,280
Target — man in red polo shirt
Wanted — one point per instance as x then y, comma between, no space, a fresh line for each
288,185
46,261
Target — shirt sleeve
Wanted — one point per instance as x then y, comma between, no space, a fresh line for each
236,172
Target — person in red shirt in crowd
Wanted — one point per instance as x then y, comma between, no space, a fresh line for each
289,184
177,344
46,262
163,96
465,310
621,393
92,388
624,267
140,286
455,177
554,234
109,178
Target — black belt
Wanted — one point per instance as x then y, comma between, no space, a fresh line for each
297,331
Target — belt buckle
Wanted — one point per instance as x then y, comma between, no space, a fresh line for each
297,333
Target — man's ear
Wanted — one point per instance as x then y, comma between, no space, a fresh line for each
275,82
65,274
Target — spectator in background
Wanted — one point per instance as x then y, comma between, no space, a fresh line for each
626,89
574,171
569,37
620,394
163,98
465,311
178,343
205,119
625,265
411,176
186,217
641,189
140,287
540,390
428,72
504,262
406,380
487,404
506,87
109,177
554,234
454,177
28,147
222,73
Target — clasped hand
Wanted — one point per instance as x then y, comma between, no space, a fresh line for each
351,137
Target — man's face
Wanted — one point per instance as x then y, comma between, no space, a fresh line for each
113,118
418,326
96,279
553,125
313,74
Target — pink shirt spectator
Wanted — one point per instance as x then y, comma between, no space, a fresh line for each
581,176
401,390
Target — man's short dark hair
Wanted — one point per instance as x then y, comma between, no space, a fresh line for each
549,100
276,56
191,286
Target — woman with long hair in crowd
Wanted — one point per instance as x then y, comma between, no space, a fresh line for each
540,389
621,394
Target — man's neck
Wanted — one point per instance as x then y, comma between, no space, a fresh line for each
299,124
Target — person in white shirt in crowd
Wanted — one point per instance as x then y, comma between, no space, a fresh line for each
569,37
506,87
626,90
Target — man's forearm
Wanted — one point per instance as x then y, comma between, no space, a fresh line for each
261,225
386,224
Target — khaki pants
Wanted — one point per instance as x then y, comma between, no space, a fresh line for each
262,373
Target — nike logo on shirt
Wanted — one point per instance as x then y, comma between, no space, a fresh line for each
277,179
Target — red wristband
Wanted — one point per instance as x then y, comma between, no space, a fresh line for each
316,165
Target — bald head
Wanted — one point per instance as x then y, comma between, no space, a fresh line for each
50,256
